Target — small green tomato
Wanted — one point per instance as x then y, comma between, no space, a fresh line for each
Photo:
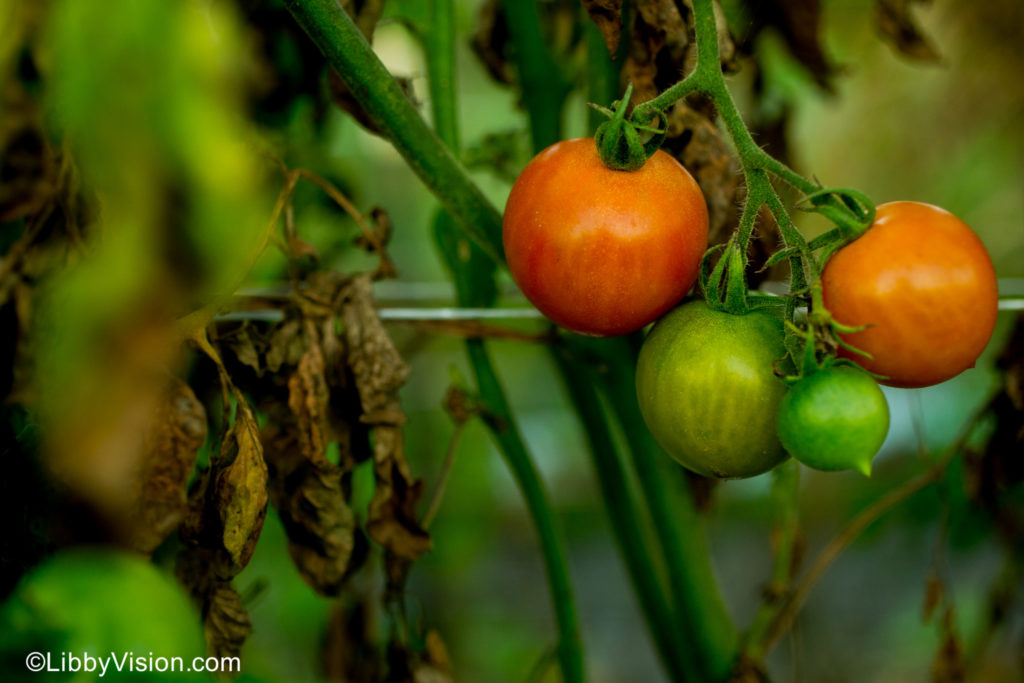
834,419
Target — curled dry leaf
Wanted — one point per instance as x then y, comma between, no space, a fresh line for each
28,169
699,145
240,487
895,22
175,435
491,43
226,623
607,16
227,508
306,488
379,373
660,35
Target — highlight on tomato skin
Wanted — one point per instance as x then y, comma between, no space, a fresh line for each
603,252
924,284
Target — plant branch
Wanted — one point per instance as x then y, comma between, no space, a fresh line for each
341,42
623,513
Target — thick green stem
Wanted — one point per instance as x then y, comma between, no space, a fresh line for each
333,31
623,512
439,43
469,267
785,498
505,431
543,85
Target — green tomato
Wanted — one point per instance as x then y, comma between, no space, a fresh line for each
96,602
708,391
835,419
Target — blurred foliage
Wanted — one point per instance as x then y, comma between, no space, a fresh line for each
164,162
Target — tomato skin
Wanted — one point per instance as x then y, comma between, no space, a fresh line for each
598,251
708,391
926,284
835,419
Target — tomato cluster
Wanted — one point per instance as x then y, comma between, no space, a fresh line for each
605,252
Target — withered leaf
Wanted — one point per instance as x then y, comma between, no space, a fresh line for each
308,399
949,665
177,432
660,35
285,346
896,24
701,148
491,43
240,487
310,500
379,373
607,16
244,347
226,623
27,166
934,591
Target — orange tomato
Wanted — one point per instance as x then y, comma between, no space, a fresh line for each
603,252
924,282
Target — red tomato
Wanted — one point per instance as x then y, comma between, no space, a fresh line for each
925,283
603,252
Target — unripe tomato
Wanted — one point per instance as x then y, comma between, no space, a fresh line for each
707,389
835,419
925,284
598,251
100,602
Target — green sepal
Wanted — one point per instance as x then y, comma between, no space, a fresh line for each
736,281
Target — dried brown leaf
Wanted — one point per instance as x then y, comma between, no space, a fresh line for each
226,623
27,165
310,499
607,16
491,43
243,345
177,432
379,373
699,145
896,24
240,487
934,591
949,665
660,37
308,399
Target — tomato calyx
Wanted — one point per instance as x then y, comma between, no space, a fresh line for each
816,342
851,211
619,141
725,285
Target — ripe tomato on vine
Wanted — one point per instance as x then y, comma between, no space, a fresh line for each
924,285
599,251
